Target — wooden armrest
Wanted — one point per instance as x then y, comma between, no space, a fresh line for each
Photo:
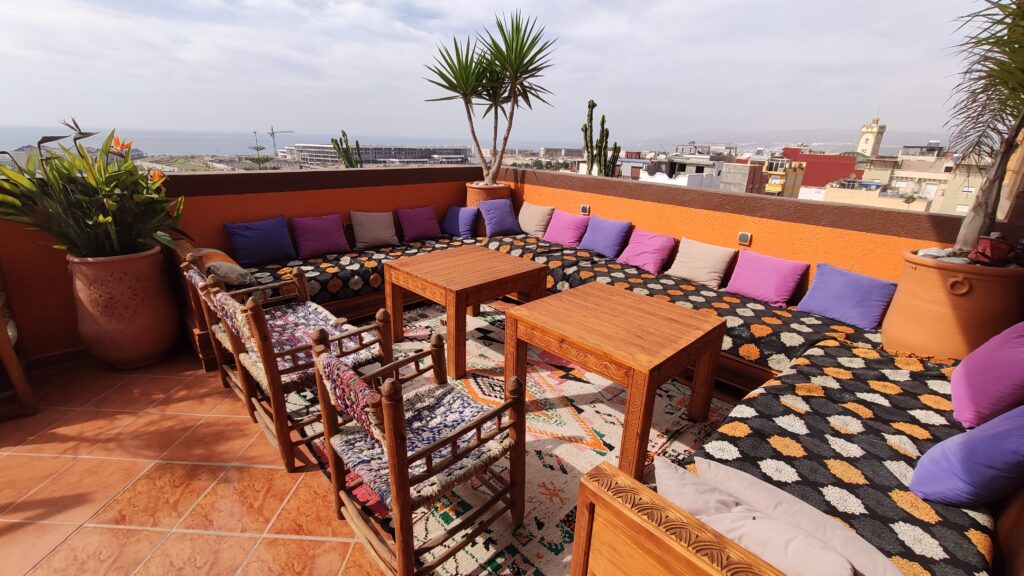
260,288
393,367
337,337
617,517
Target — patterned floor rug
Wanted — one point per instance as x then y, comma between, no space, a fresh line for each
574,423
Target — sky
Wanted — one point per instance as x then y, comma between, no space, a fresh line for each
659,69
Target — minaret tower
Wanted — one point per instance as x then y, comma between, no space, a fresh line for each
871,138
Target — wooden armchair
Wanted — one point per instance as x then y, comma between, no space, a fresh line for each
12,362
411,447
269,338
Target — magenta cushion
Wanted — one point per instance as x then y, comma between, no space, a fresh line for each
319,235
647,250
990,380
418,223
765,278
566,229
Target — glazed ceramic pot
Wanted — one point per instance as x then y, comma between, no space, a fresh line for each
126,314
477,192
947,309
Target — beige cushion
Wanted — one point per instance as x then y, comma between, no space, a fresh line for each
777,503
222,267
701,263
373,229
689,491
534,219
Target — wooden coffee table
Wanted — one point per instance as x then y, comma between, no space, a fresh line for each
636,341
458,279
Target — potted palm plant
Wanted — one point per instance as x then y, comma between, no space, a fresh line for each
944,307
499,72
110,216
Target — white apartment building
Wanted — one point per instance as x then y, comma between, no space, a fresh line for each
324,156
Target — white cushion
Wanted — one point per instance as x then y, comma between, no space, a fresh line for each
777,503
689,491
701,263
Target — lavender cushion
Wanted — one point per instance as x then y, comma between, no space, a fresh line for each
848,297
261,241
765,278
647,250
418,223
566,229
459,221
990,380
977,467
605,236
499,217
319,235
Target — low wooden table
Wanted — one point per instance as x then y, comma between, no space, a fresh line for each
636,341
458,279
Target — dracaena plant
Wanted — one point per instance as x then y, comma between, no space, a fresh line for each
988,104
498,72
94,204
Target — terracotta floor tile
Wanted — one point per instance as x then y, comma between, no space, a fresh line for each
360,563
309,511
19,475
243,500
107,551
198,554
262,453
160,497
312,557
18,430
25,544
77,492
193,396
137,393
218,439
148,436
182,363
78,433
75,390
231,406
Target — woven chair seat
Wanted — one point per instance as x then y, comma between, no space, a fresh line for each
431,413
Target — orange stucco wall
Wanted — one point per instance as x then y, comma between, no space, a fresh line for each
39,286
873,254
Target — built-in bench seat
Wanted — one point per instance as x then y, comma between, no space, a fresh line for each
841,429
760,339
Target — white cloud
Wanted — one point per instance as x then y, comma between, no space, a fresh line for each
659,68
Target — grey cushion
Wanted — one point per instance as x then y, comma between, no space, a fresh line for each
373,229
701,263
534,219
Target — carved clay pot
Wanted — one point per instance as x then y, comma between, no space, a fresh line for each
477,192
126,315
947,310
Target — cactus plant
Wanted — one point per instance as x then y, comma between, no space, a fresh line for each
597,152
348,157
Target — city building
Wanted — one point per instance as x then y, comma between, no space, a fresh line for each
871,138
822,168
324,155
561,153
719,152
742,177
783,176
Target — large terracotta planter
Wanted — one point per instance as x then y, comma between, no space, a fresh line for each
126,315
477,192
947,310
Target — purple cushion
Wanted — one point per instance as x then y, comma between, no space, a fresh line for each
979,466
459,221
499,217
765,278
418,223
990,380
647,250
848,297
319,235
605,236
261,242
566,229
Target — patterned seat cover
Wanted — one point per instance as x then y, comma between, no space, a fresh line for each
842,429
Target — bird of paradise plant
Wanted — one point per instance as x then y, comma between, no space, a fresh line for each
95,205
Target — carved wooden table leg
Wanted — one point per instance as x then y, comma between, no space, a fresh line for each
515,353
636,429
393,297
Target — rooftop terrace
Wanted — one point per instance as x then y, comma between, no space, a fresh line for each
160,470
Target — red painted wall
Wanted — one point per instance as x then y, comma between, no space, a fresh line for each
823,168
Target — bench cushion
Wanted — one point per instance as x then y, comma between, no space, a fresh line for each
842,429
